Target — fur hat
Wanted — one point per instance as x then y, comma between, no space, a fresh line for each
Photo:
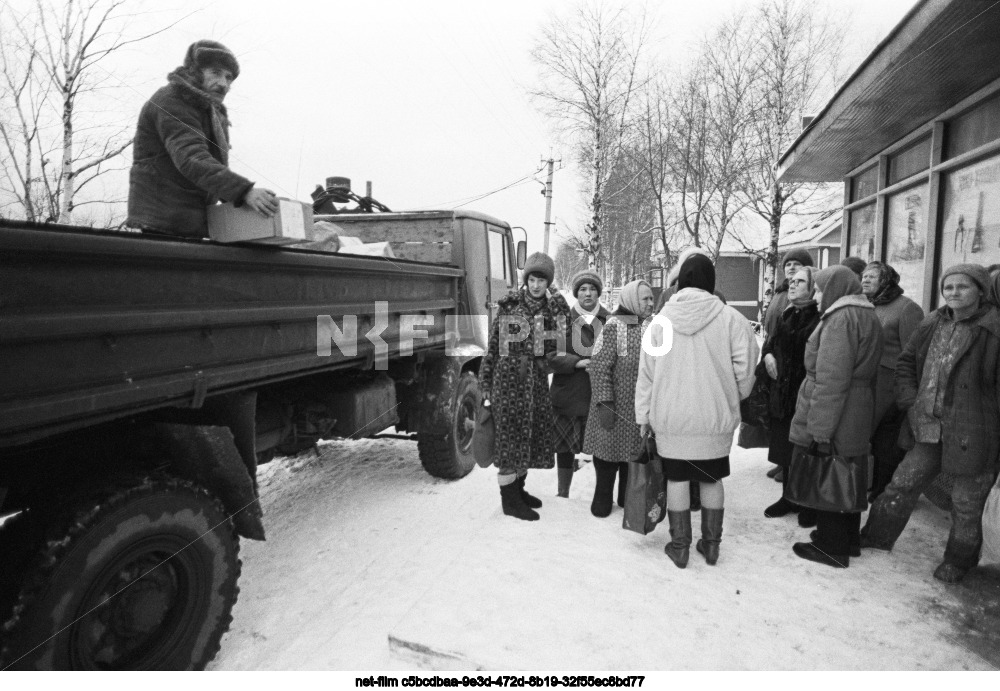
974,271
799,255
541,264
855,264
587,276
205,53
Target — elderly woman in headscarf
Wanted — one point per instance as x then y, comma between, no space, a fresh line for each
899,316
614,366
836,400
784,360
948,381
696,366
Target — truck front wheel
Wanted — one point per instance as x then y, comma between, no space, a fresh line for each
143,577
449,456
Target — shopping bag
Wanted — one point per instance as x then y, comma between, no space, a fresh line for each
484,436
647,450
990,555
753,437
827,481
645,496
755,408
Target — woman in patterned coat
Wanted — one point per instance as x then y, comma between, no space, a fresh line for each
514,382
614,366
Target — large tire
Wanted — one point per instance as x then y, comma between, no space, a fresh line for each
143,577
449,456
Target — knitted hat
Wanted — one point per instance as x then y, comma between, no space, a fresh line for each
203,54
541,264
587,276
697,272
799,255
855,264
974,271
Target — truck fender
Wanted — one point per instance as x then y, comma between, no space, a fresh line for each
434,404
208,455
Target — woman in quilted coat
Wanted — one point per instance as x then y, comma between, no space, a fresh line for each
836,401
514,382
948,381
612,435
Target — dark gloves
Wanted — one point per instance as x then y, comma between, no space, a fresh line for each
606,414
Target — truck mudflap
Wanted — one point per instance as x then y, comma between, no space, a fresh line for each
208,456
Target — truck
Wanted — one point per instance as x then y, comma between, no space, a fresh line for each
145,378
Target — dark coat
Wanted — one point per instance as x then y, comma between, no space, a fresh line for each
970,430
613,373
517,386
178,170
571,386
788,346
837,398
776,308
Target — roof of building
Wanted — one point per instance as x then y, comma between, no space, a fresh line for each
940,53
814,230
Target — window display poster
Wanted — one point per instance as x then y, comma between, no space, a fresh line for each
971,215
862,233
907,238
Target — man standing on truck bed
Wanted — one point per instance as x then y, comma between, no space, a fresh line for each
180,163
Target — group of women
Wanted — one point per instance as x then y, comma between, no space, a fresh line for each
851,365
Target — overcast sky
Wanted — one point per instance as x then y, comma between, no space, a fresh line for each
427,99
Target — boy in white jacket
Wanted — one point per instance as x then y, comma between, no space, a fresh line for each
697,363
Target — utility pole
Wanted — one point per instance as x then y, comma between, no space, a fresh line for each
548,203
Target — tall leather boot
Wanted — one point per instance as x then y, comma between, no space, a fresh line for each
530,501
711,534
603,488
679,547
513,505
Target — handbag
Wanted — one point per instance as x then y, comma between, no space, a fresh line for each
753,437
647,451
645,496
755,408
827,481
484,436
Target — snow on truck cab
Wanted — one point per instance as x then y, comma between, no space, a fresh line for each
145,379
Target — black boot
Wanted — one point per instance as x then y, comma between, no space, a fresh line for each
529,501
807,518
949,573
622,483
711,534
513,505
565,480
780,508
601,505
679,547
808,550
854,549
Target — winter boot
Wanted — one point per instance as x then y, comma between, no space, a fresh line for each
949,573
622,483
603,488
807,518
565,480
854,550
679,547
780,508
809,551
513,505
529,501
711,534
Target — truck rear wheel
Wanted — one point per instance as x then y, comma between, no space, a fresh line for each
449,456
142,578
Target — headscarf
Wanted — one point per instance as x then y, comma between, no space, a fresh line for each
808,273
888,284
836,282
994,292
697,272
629,298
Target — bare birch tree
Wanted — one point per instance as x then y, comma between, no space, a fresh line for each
54,53
589,67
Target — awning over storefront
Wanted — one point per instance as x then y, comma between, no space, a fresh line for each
940,53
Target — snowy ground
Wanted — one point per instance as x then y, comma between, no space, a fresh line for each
371,564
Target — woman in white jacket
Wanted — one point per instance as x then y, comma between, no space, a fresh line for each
697,363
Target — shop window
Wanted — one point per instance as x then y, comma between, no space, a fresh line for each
910,161
864,184
907,224
861,233
973,128
970,223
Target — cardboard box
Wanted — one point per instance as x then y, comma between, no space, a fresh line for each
292,223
